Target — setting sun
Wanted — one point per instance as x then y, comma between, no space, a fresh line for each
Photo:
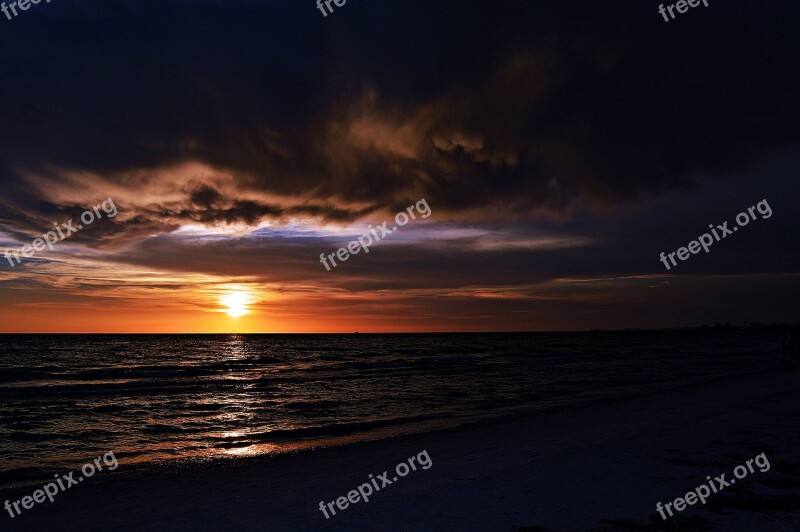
236,303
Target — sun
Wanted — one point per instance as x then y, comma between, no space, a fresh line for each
236,303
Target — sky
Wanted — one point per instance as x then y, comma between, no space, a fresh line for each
560,146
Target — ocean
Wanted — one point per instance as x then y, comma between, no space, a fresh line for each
152,399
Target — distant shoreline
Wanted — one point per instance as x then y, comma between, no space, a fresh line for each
732,327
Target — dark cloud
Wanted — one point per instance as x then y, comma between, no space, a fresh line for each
560,145
516,110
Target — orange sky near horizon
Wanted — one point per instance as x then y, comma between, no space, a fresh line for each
74,295
133,300
281,319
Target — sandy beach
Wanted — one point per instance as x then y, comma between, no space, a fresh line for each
600,467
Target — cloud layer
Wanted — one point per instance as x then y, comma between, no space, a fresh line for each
553,141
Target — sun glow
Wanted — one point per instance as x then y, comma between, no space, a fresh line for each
236,303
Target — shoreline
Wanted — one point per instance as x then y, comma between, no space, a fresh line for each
391,432
583,467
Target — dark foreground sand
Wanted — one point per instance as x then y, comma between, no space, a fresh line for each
601,467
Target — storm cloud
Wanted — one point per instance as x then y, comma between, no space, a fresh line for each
553,140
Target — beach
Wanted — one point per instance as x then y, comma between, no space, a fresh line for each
580,468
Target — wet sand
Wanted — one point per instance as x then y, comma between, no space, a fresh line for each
601,467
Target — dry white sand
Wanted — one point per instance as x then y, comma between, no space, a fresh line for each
600,467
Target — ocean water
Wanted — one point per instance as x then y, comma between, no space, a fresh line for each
67,399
